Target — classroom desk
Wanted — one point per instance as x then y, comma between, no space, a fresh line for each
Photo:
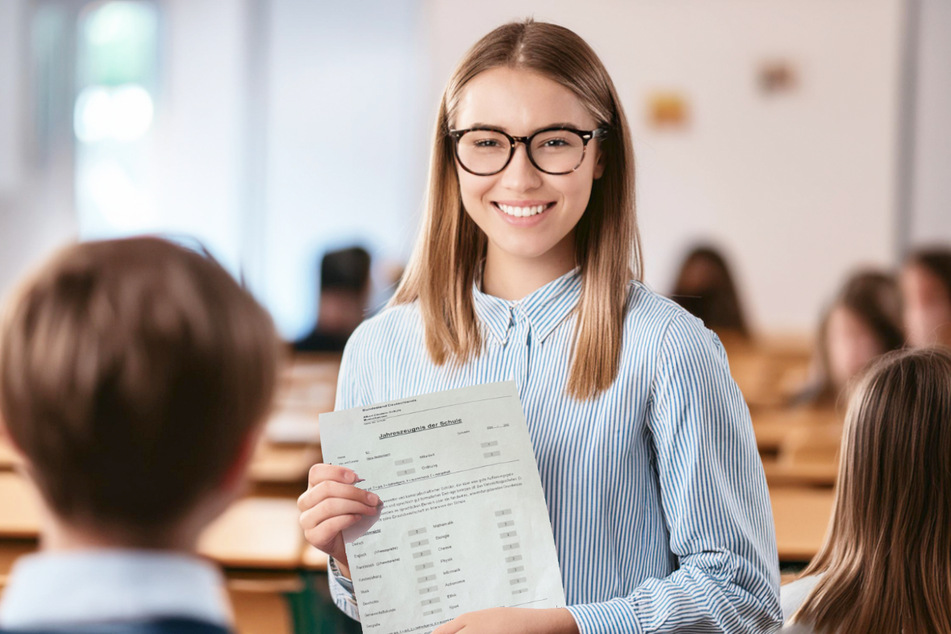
314,559
256,533
781,474
253,533
801,516
8,459
773,427
19,509
283,464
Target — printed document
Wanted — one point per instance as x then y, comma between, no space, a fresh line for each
463,525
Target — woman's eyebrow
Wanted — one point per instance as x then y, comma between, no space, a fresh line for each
489,126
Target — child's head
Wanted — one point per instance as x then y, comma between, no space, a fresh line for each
133,377
926,287
563,195
863,322
705,287
887,557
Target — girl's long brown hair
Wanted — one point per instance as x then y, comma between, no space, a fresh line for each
450,246
887,555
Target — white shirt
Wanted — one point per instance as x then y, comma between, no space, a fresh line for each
59,589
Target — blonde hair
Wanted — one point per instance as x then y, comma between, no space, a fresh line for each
450,246
887,555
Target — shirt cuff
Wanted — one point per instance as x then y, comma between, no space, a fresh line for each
341,591
615,615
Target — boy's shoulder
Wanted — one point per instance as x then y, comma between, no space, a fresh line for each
160,626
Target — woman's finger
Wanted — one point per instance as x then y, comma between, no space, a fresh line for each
334,507
329,489
322,471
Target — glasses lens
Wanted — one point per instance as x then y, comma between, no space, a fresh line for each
557,151
483,151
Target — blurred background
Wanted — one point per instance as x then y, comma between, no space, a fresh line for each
804,138
790,155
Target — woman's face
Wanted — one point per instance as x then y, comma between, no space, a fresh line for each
528,216
926,306
850,343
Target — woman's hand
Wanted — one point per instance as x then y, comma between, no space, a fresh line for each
522,620
330,504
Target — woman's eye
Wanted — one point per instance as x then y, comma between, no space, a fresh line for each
486,143
554,143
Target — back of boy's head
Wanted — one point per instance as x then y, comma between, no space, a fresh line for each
133,373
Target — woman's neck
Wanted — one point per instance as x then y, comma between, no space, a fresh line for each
513,278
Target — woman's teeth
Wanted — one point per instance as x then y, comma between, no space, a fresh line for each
521,212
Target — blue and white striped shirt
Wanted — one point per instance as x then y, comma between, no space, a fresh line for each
656,493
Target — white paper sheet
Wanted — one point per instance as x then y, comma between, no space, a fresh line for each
463,526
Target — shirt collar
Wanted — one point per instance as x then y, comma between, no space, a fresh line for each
70,588
544,308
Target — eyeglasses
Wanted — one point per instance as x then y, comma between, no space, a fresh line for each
556,151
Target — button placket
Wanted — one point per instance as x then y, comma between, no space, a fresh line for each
521,341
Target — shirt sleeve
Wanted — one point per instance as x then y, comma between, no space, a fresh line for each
341,588
714,498
341,591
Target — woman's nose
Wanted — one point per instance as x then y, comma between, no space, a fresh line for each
520,174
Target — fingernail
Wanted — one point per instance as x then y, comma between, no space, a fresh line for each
373,499
352,477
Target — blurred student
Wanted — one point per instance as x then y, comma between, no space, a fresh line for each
863,322
134,375
342,305
926,288
705,287
886,562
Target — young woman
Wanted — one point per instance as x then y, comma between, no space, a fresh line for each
705,287
926,287
886,562
863,322
526,269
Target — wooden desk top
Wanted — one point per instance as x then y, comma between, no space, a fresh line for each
314,559
252,533
8,459
783,474
772,428
283,464
256,533
802,517
19,507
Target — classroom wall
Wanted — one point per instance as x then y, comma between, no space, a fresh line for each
931,183
32,223
10,141
347,138
799,188
200,122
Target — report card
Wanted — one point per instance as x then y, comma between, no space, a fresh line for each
463,525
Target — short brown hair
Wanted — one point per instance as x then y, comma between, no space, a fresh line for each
132,373
886,560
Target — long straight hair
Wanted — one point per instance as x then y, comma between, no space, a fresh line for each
450,246
887,555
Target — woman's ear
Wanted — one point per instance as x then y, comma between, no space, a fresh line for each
600,165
